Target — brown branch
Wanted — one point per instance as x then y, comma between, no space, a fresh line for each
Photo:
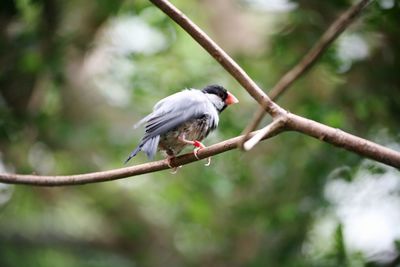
336,28
104,176
344,140
275,124
290,122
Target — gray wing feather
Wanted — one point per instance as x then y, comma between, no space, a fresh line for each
168,123
169,113
177,109
150,147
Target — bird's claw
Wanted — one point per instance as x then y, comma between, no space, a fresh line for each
168,160
174,169
195,153
199,146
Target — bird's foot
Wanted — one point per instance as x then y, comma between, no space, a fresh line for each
174,169
199,145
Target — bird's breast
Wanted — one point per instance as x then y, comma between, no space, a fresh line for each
194,129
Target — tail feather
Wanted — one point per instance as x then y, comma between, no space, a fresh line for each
149,147
134,152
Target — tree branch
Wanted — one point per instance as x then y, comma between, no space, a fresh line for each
336,28
273,126
344,140
287,122
104,176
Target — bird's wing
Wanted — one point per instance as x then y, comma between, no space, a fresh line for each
175,110
171,104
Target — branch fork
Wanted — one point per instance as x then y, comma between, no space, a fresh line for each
278,124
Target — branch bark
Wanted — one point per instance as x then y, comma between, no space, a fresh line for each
344,140
290,122
278,123
336,28
104,176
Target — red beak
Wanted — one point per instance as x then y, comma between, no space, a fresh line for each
231,99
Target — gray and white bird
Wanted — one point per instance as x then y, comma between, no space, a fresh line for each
184,118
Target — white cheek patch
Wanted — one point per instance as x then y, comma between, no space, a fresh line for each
216,101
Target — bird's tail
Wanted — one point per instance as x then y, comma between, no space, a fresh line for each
134,152
148,146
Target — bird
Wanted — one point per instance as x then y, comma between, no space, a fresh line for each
182,119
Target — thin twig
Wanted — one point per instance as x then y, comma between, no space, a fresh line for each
336,28
272,127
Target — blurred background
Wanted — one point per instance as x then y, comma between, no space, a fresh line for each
76,75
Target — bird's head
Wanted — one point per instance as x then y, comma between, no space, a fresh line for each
219,96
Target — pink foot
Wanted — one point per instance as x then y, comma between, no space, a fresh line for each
199,145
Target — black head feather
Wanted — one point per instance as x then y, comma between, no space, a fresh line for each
219,91
216,90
